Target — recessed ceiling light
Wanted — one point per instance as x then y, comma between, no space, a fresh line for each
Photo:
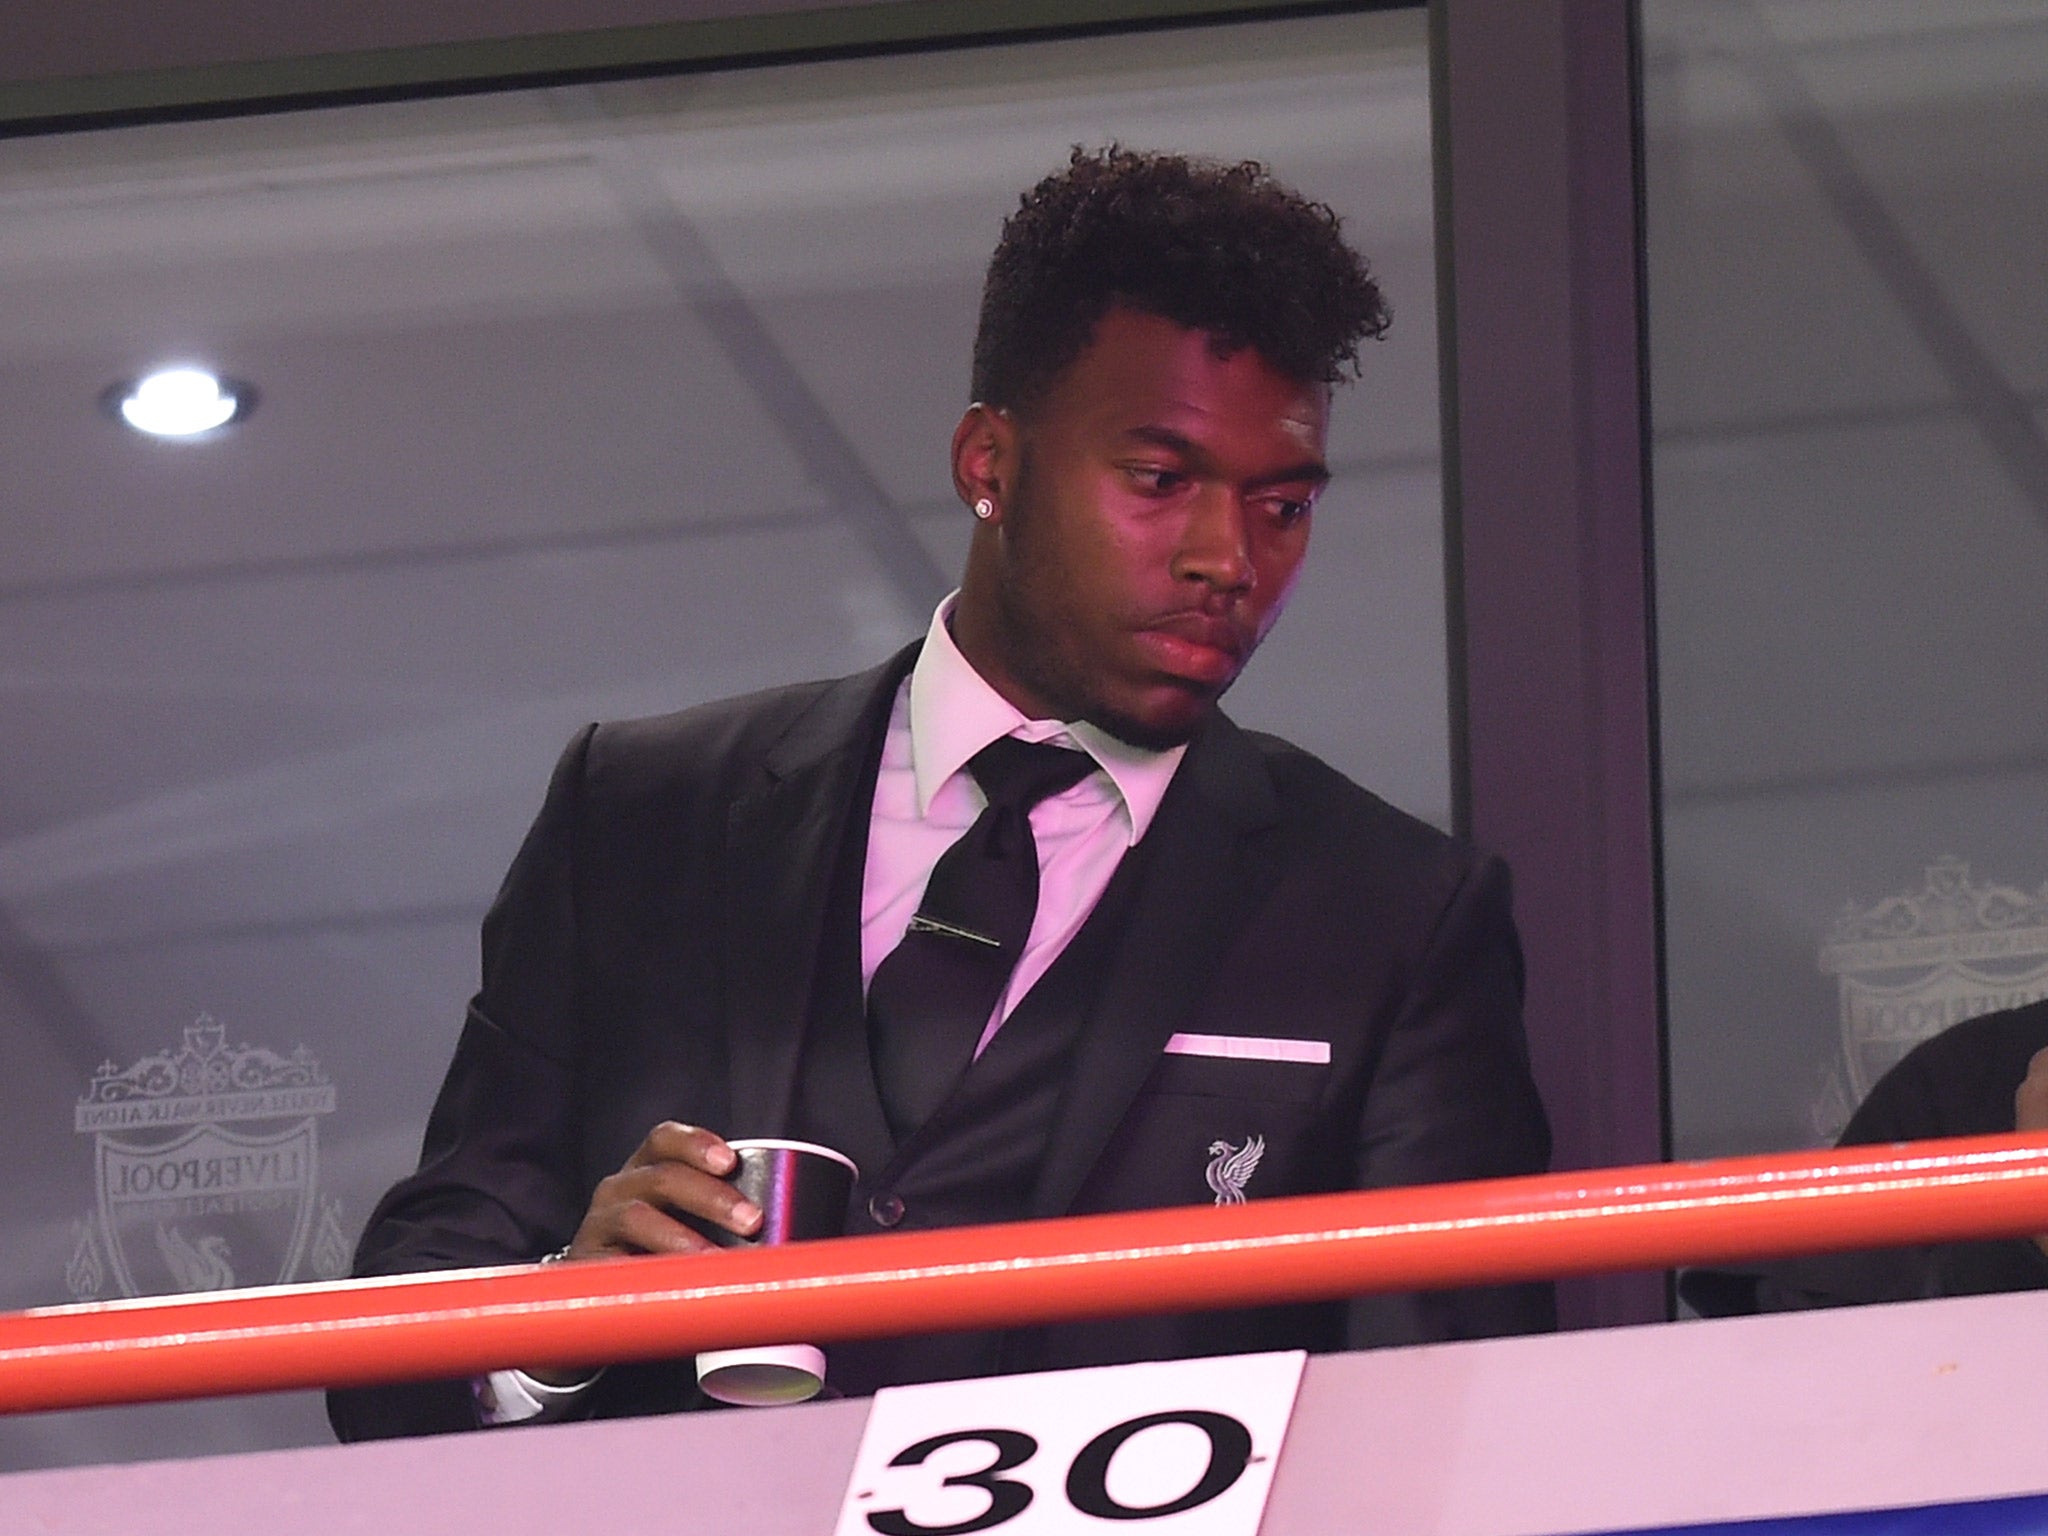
181,403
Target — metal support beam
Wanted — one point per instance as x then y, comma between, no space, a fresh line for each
1549,547
1306,1248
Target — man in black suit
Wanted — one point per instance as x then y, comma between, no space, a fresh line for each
1244,976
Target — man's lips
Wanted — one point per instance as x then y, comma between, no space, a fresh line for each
1191,646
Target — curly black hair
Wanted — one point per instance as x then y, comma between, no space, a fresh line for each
1219,248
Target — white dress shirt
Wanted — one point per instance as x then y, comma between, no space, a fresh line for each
925,798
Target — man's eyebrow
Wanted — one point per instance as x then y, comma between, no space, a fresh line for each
1167,438
1308,471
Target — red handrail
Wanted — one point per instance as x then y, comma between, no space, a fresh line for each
1299,1249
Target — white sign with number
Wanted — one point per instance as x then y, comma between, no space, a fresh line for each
1176,1448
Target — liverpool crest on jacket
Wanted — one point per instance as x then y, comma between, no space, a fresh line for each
1231,1168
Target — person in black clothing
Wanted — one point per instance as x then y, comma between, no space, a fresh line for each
1239,953
1982,1077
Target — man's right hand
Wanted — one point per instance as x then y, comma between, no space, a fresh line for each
679,1170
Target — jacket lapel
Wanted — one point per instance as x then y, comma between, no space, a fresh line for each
1208,864
783,839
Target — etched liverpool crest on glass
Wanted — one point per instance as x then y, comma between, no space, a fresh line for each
1909,966
207,1164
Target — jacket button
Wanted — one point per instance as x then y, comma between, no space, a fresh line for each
886,1210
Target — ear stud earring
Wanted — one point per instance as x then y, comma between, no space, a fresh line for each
984,509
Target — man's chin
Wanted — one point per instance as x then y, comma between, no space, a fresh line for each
1158,730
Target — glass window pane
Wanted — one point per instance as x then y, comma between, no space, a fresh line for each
1847,206
574,403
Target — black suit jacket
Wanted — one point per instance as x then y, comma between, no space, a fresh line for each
652,955
1959,1083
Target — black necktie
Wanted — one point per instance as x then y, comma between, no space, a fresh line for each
934,993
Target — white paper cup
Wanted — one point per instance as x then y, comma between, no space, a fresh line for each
802,1189
763,1377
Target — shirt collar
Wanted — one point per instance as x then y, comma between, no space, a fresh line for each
954,713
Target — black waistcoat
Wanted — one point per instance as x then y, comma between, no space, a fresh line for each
977,1159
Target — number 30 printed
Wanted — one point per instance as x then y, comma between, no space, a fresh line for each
1087,1486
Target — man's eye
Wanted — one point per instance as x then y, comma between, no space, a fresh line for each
1154,480
1289,510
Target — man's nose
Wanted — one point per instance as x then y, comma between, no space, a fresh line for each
1214,548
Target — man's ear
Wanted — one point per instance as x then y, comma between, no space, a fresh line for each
985,458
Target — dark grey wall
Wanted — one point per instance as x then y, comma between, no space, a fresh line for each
113,56
56,39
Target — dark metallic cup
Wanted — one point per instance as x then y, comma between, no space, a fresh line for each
802,1190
